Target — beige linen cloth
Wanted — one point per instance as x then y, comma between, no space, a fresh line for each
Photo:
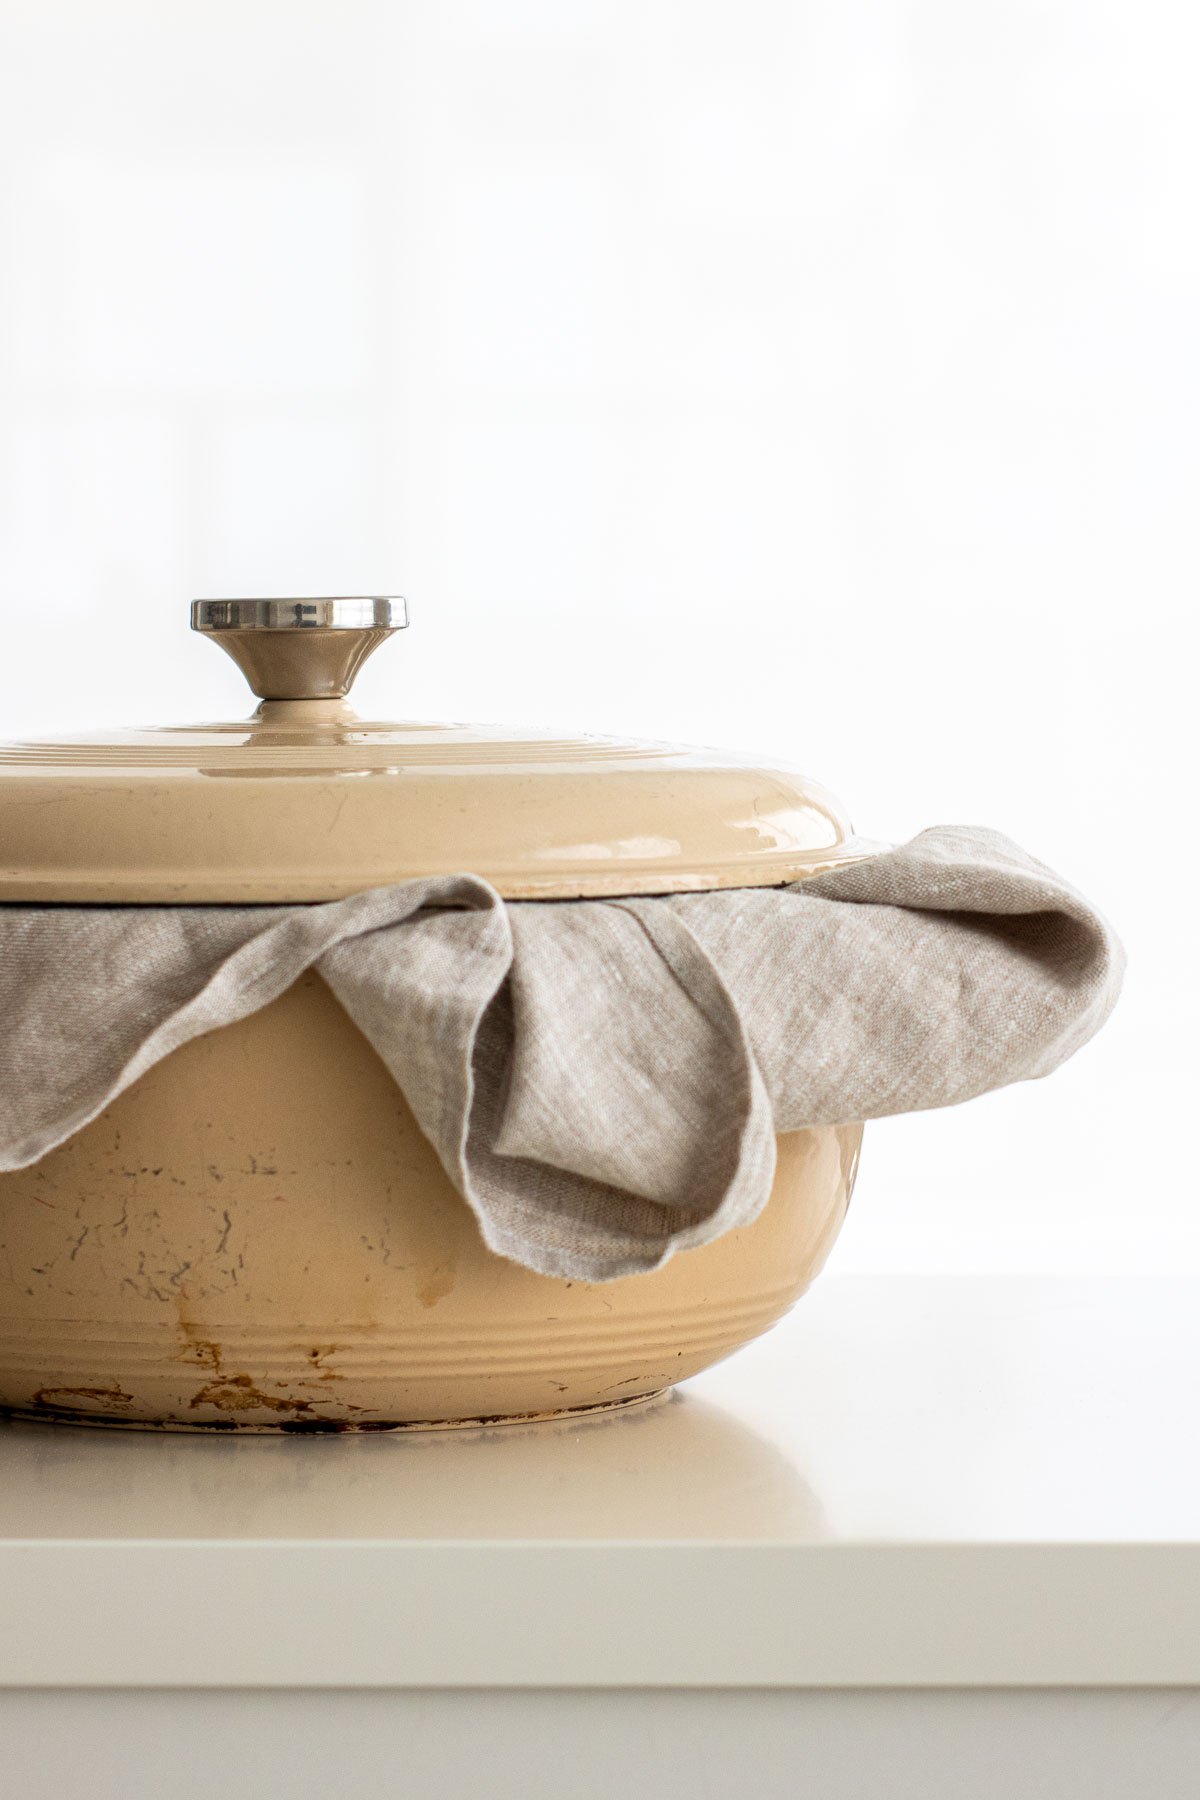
602,1079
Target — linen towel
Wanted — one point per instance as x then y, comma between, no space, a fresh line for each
602,1079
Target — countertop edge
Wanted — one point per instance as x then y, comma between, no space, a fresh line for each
294,1613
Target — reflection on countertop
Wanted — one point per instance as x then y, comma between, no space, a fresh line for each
678,1467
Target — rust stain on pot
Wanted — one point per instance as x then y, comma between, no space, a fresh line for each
316,1357
437,1284
237,1393
109,1396
197,1349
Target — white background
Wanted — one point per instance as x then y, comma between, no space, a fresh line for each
812,377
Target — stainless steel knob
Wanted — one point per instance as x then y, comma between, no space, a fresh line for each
300,649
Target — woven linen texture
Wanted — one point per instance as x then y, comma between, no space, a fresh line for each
602,1079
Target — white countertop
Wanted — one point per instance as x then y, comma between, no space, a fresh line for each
910,1482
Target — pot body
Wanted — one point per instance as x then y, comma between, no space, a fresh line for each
257,1236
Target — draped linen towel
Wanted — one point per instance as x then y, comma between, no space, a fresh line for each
602,1079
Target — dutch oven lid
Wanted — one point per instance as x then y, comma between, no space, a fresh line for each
305,801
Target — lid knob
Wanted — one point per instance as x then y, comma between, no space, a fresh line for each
300,649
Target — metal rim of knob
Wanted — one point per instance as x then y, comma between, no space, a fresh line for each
300,649
373,612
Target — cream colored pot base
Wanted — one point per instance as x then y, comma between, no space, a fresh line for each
256,1236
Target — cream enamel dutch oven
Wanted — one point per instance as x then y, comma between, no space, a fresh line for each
271,1244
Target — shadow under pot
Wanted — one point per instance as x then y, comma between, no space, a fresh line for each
256,1235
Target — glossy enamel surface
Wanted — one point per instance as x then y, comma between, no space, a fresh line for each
256,1235
307,802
